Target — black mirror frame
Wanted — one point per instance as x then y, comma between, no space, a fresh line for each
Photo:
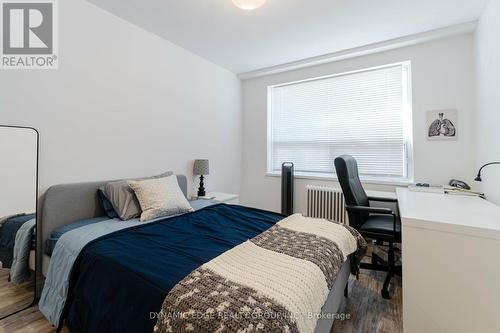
37,214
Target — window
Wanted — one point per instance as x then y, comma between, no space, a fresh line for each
366,114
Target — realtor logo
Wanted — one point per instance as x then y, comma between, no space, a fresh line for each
28,35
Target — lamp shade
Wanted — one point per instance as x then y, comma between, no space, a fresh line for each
201,167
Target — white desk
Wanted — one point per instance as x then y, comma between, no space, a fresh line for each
451,263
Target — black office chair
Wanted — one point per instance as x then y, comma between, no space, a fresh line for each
379,224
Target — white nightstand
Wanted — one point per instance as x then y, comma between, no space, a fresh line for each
223,197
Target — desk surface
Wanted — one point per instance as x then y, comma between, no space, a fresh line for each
452,213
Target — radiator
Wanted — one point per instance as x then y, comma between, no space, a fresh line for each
326,203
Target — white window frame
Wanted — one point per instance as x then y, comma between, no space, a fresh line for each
407,130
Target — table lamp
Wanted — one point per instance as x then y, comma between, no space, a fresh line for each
478,178
201,168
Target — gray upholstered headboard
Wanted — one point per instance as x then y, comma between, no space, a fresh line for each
63,204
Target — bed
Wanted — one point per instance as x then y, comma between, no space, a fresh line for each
17,243
120,277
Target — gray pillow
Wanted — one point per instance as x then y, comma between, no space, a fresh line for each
123,198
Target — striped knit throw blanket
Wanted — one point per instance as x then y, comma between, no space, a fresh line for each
275,282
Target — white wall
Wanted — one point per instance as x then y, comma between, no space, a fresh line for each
17,171
125,103
488,97
443,78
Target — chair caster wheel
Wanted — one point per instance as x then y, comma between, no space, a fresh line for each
385,294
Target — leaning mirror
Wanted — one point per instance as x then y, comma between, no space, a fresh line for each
18,202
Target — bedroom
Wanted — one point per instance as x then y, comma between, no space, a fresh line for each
137,89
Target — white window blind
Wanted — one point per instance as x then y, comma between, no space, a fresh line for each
365,114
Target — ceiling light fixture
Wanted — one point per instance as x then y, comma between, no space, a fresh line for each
248,4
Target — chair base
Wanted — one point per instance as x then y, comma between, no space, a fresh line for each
379,264
385,294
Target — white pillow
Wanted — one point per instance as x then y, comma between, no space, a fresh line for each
160,197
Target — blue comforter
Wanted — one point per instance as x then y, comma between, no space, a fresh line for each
8,233
120,280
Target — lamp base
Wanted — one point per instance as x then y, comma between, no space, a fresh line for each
201,189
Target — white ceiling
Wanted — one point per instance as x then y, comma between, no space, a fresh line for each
284,31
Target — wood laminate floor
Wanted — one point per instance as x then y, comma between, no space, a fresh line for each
368,311
13,297
28,321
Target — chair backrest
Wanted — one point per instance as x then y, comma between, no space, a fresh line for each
354,194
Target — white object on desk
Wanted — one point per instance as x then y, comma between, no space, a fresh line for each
428,189
451,271
229,198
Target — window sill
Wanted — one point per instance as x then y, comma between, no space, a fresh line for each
364,180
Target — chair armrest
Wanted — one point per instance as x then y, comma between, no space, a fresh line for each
379,199
375,210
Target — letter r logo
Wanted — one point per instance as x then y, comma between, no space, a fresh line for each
27,28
